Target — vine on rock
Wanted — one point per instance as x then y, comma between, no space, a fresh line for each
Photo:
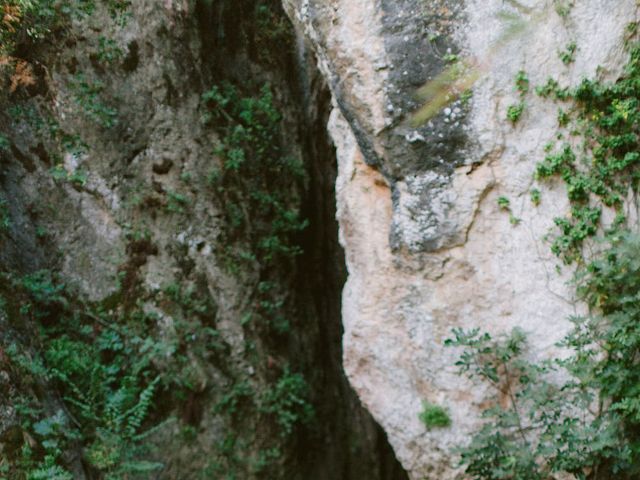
588,426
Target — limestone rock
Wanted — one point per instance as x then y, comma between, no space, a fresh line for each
427,246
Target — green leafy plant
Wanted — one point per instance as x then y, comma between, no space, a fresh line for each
451,58
77,177
522,83
176,202
568,55
252,144
259,186
34,19
108,52
587,423
287,401
535,196
434,416
563,7
578,416
104,374
230,401
5,145
514,112
605,115
88,96
504,203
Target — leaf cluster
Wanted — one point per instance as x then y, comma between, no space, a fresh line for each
604,168
105,374
535,428
259,186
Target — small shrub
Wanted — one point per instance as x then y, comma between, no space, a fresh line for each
567,56
504,203
434,416
536,196
108,51
522,83
5,144
514,112
88,96
287,401
176,202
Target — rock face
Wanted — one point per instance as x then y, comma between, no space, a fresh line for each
428,248
125,204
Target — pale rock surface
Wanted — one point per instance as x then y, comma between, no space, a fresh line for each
427,246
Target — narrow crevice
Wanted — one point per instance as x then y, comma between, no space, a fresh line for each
349,445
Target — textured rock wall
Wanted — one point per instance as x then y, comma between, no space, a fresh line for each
427,246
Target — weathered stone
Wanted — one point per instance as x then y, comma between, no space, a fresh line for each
427,246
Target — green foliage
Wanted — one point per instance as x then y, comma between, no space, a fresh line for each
255,171
552,89
35,19
536,196
43,292
230,401
5,145
567,56
78,178
88,96
451,58
563,7
545,427
258,184
586,426
104,374
534,428
607,165
31,20
175,202
265,458
108,51
272,26
5,216
434,416
563,118
287,401
504,203
282,407
466,96
522,83
514,112
119,11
